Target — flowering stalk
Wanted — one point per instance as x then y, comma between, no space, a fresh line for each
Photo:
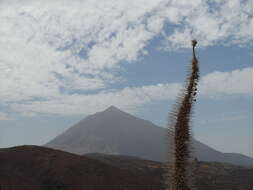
179,176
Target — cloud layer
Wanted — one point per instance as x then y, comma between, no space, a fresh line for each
63,56
213,85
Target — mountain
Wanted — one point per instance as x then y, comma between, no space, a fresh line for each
40,168
116,132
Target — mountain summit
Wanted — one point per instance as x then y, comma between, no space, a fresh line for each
114,131
113,109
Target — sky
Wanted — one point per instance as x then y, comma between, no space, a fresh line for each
63,60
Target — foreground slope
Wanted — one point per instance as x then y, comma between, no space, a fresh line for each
38,168
208,175
116,132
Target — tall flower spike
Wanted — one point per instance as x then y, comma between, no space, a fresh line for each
179,174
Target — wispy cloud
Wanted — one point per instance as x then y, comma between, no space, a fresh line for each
127,98
4,116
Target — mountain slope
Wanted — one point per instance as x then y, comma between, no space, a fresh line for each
116,132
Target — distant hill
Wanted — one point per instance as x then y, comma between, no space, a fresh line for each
40,168
116,132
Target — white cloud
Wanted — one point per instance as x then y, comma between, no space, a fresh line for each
211,22
237,82
41,43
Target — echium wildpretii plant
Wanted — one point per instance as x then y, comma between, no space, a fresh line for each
179,174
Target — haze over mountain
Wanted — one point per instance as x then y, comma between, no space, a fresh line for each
116,132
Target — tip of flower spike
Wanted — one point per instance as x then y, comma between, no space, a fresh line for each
194,43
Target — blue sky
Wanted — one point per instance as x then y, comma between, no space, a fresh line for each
61,61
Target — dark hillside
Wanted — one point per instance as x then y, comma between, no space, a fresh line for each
37,168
